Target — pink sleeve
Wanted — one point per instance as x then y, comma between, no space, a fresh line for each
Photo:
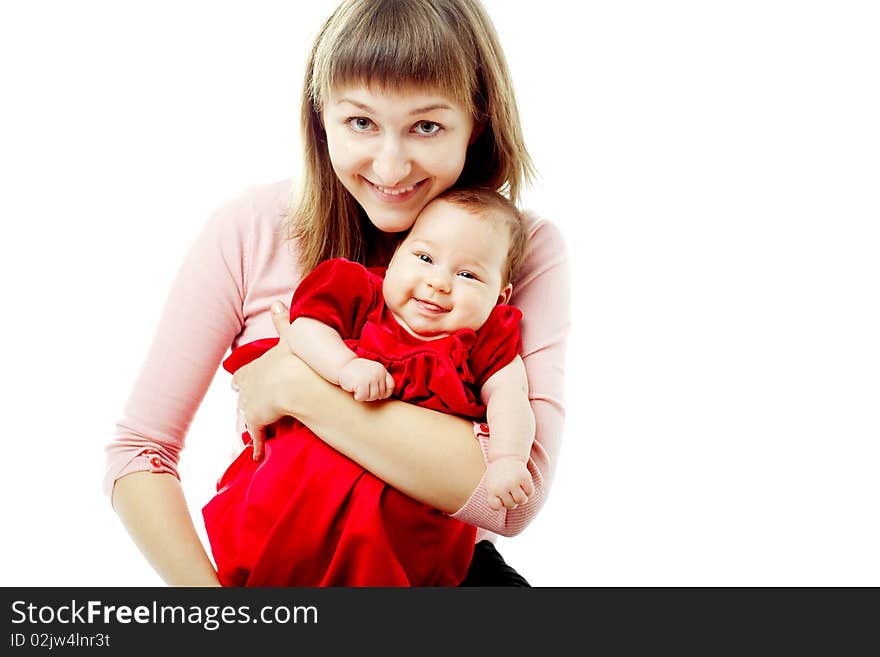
542,293
200,320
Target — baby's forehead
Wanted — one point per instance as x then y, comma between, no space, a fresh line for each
443,221
465,234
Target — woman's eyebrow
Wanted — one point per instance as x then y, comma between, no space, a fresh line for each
418,110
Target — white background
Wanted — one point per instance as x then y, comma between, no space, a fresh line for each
714,167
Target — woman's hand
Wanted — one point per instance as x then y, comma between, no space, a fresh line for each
265,385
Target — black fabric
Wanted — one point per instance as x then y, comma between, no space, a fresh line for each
488,568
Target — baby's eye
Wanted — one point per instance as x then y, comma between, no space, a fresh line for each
424,257
359,123
427,128
467,274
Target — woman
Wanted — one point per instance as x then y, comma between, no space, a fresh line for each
390,120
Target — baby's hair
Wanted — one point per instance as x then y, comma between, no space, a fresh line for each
445,45
490,205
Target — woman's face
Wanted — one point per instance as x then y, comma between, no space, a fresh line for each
394,151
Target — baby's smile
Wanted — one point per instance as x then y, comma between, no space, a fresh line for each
430,307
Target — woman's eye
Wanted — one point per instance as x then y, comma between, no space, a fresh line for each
427,128
359,123
424,257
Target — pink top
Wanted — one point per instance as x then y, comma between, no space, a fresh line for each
238,266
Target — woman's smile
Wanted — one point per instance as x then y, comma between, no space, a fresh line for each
397,193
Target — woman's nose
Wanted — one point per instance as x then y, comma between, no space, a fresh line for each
392,164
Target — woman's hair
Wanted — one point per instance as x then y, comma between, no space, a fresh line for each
447,45
489,205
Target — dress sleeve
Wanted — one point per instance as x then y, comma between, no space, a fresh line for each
201,317
542,292
339,293
498,343
247,353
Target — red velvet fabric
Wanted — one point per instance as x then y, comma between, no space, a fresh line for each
306,515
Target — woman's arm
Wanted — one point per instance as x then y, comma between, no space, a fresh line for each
201,317
324,351
153,510
430,456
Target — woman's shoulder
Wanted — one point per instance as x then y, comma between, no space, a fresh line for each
252,226
262,207
544,235
547,251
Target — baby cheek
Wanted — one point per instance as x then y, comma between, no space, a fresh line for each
392,289
477,313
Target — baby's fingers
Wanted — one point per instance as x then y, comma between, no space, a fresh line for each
362,392
495,502
519,495
389,386
508,500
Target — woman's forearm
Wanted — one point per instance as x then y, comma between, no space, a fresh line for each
430,456
153,509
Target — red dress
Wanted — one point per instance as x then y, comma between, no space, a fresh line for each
306,515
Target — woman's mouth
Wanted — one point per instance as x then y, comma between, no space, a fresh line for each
398,193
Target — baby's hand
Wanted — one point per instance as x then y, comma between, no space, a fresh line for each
367,379
508,482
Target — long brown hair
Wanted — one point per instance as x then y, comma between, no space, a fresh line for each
447,45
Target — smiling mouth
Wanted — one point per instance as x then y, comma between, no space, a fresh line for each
430,307
396,194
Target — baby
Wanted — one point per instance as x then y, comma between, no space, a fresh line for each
448,274
435,331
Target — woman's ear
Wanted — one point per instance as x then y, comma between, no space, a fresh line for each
504,295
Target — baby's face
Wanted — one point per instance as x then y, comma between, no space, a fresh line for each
447,274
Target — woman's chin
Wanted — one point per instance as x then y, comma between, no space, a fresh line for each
392,222
393,214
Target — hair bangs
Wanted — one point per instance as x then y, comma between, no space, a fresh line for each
394,45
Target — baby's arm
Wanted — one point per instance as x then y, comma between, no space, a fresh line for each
512,429
322,348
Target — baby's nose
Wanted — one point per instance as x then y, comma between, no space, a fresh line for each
438,281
